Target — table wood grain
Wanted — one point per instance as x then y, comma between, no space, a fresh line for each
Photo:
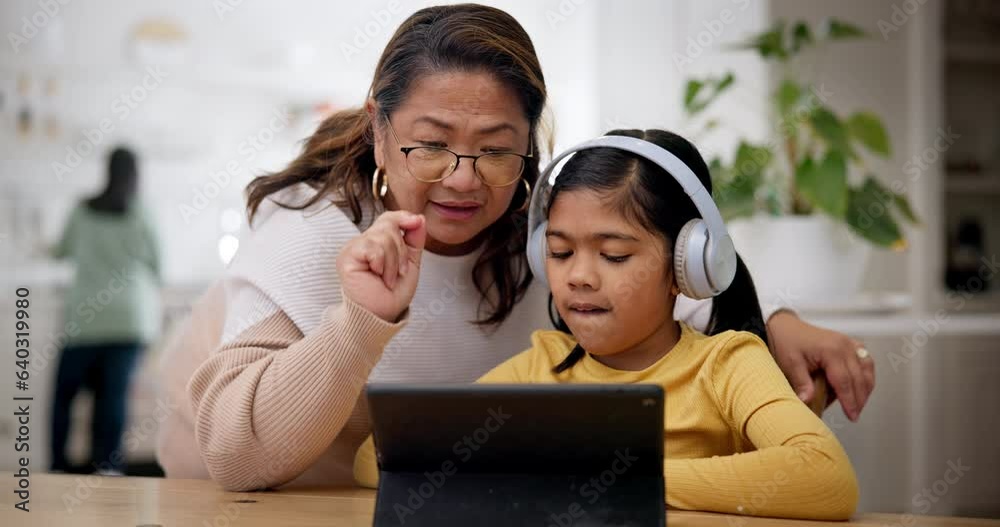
85,501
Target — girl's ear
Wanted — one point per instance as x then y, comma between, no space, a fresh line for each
674,289
671,278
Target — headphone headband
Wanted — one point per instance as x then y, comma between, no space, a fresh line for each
704,258
672,164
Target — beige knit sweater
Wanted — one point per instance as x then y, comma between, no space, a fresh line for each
270,368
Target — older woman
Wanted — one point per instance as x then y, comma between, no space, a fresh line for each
419,198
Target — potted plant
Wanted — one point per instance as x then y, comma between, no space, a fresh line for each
803,208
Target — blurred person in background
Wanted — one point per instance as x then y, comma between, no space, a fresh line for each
112,311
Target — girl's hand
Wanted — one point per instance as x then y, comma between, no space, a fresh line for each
801,349
379,269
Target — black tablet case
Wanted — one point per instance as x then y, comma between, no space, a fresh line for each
504,455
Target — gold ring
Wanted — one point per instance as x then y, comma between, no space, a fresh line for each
862,353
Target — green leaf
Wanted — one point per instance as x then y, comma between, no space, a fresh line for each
801,36
772,203
839,30
769,43
750,162
905,209
827,126
725,82
735,201
787,96
734,188
868,214
690,92
718,172
884,194
867,128
698,94
890,198
824,184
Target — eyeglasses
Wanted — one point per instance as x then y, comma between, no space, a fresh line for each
431,164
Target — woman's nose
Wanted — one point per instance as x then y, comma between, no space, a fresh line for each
464,178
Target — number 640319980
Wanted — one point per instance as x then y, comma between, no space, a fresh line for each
21,325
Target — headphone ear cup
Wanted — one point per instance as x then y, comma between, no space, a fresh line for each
689,261
535,252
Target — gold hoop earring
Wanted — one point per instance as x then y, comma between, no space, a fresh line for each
527,196
378,192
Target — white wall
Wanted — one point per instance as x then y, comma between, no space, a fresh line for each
653,48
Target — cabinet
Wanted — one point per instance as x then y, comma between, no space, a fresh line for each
969,143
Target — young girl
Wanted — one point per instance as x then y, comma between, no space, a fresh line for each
738,440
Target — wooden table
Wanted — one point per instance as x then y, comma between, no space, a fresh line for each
146,502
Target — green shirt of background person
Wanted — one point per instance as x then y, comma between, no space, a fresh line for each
112,313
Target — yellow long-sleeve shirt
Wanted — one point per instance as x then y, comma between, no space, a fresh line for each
737,439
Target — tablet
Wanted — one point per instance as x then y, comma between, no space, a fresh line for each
526,454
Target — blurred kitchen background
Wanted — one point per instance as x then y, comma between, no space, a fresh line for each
210,94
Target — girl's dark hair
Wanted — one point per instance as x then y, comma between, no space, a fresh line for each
338,159
123,180
644,193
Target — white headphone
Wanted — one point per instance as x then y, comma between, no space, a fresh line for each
704,256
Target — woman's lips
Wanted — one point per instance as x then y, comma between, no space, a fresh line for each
454,211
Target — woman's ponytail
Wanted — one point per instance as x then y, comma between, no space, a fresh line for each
337,160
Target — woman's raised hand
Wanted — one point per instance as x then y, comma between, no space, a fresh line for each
379,269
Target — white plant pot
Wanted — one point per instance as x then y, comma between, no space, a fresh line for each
801,261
